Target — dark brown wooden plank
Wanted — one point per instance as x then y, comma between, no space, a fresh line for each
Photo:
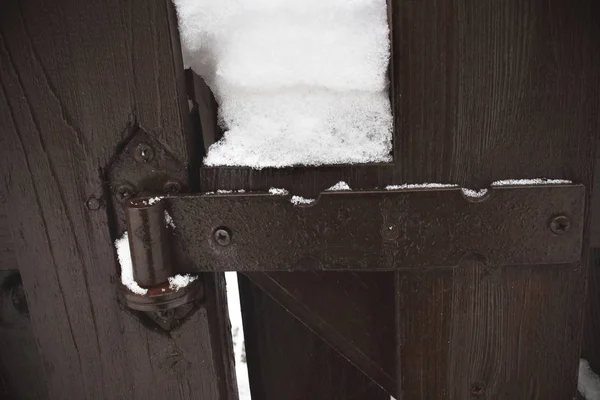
73,75
493,90
508,326
306,367
7,250
423,328
21,374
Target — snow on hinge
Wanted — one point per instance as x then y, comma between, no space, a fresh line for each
124,255
297,83
588,383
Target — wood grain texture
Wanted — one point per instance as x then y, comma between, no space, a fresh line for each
73,75
305,366
7,247
483,91
497,90
509,335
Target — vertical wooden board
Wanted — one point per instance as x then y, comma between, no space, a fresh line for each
532,325
493,90
7,247
73,75
287,361
490,332
21,372
423,346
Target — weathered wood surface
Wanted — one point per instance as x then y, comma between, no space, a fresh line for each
482,91
73,76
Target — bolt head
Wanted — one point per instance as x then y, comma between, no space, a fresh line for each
560,225
144,153
93,203
222,236
172,187
124,192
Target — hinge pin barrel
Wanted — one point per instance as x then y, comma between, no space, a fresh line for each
148,242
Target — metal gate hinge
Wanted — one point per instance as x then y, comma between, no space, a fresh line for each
370,230
142,166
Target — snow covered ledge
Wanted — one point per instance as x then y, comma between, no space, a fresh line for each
297,83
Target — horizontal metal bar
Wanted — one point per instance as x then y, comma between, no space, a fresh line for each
378,230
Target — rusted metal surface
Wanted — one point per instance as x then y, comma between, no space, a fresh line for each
378,230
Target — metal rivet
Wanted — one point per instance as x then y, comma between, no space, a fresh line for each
560,224
478,389
124,192
144,153
222,236
172,187
93,203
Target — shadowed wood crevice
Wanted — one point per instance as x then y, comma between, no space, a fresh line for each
287,361
21,372
346,310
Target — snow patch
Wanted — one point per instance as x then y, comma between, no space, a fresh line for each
588,383
536,181
420,186
169,220
474,194
341,185
237,333
297,200
296,82
124,255
278,192
153,200
180,281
